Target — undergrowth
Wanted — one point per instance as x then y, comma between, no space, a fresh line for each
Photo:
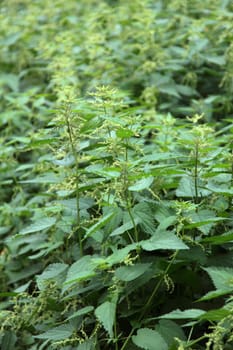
116,175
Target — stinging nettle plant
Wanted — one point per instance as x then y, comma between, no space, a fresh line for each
116,216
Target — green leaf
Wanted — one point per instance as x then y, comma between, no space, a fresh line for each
186,90
10,39
98,225
149,339
81,270
123,228
51,272
57,333
124,133
106,315
86,345
116,219
215,315
214,294
205,219
142,184
48,178
129,273
186,314
169,330
144,216
222,277
186,188
120,254
81,312
219,60
42,224
169,89
8,341
163,240
216,240
166,222
22,274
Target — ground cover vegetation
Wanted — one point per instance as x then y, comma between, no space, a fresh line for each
116,174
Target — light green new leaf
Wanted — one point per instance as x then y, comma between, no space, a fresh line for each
215,315
39,225
216,240
106,315
58,333
120,254
129,273
124,133
186,314
163,240
149,339
214,294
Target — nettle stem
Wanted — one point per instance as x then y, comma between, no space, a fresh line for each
149,301
127,194
196,157
77,178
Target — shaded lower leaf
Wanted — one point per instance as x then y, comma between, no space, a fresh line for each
8,341
169,331
149,339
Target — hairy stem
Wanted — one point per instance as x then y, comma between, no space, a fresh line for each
75,155
196,156
150,299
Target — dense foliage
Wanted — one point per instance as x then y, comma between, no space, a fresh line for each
116,174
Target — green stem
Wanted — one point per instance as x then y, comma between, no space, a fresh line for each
230,199
133,221
115,334
196,172
191,343
157,287
145,309
127,195
75,155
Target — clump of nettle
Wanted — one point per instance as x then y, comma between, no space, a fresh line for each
131,207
